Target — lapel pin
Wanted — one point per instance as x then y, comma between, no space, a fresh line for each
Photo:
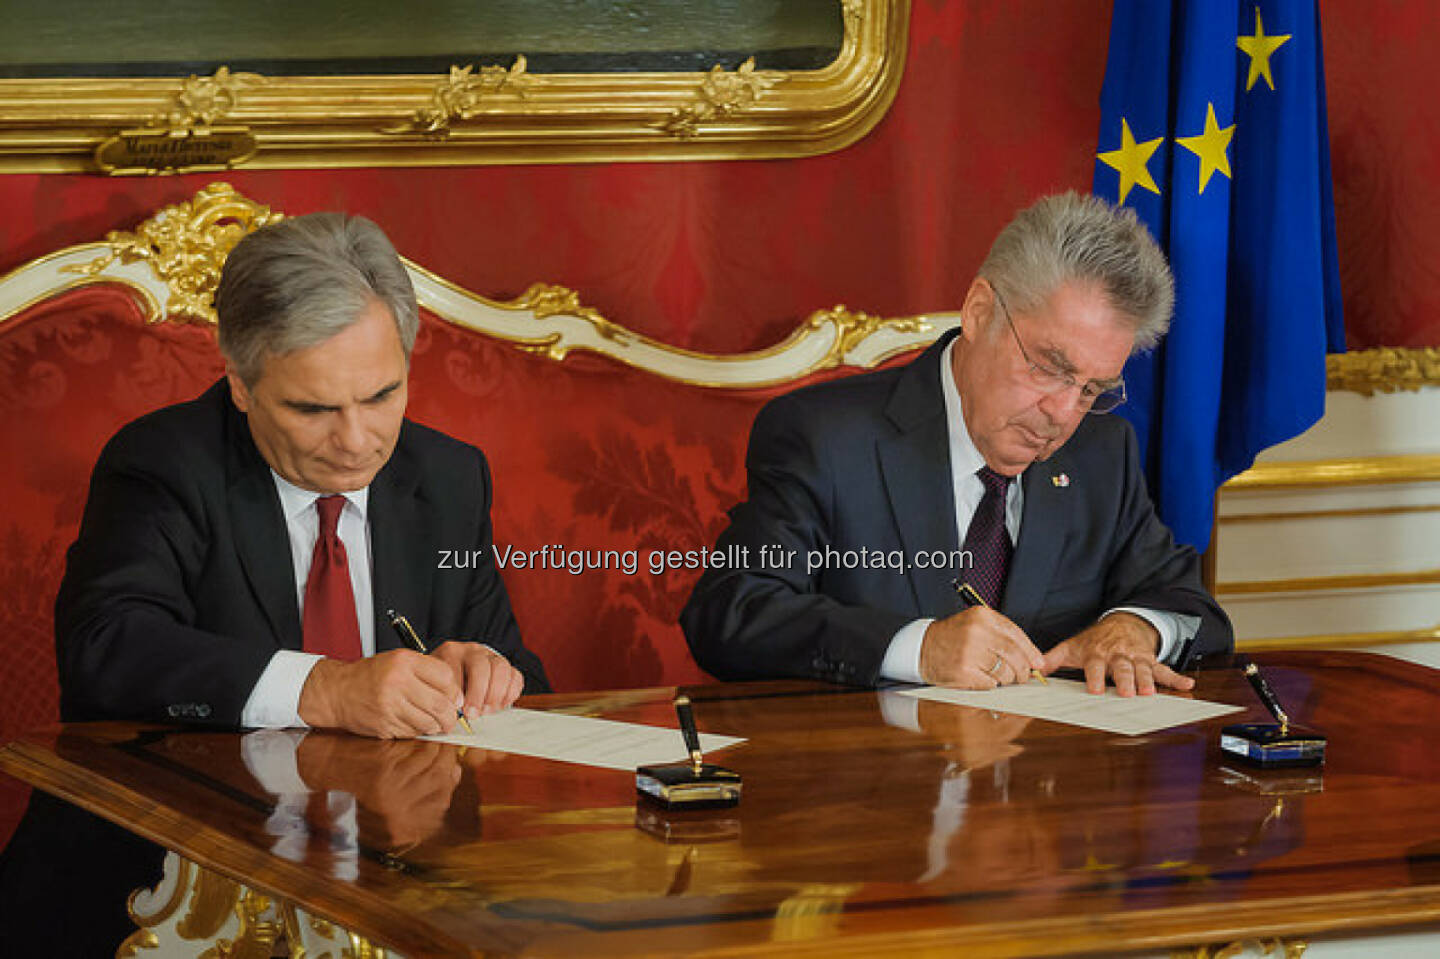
1061,480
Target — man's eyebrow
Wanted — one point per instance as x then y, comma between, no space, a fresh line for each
1057,358
301,406
382,392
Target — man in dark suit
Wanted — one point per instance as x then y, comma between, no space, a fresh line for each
238,552
983,461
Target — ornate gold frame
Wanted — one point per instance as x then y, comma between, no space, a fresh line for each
487,114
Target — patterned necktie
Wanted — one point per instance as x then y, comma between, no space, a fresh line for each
329,625
987,541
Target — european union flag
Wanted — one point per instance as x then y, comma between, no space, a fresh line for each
1213,130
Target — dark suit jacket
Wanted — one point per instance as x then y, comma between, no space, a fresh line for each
861,466
180,586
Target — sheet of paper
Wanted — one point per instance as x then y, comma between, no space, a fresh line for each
580,739
1066,701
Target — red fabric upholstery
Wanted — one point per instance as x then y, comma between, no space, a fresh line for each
586,454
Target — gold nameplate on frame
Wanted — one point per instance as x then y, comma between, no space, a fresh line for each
175,151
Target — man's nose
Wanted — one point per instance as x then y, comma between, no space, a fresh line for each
350,431
1060,406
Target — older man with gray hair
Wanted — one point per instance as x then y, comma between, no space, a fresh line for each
971,518
239,553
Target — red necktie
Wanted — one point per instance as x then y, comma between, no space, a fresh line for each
329,626
988,541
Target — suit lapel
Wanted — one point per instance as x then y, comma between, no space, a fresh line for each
399,548
915,463
1044,525
258,527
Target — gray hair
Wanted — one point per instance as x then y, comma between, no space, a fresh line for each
1073,237
297,283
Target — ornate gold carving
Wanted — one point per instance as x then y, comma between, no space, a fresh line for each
140,939
144,937
203,100
1383,370
258,930
549,299
853,327
722,95
186,245
362,948
460,96
1281,948
336,120
213,898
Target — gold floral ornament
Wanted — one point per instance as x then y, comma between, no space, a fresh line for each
461,96
186,245
548,299
722,95
1383,370
851,328
204,100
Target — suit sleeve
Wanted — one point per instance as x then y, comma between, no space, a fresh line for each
769,618
487,613
1149,569
127,642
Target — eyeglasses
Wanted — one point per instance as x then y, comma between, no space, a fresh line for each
1090,397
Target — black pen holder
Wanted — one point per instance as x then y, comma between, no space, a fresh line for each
688,786
1271,745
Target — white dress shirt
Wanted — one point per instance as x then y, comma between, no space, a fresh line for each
902,658
275,700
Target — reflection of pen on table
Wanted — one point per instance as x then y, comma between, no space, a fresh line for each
971,599
410,638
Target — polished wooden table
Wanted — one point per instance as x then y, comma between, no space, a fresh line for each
869,827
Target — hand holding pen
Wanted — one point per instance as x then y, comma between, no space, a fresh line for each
410,638
971,599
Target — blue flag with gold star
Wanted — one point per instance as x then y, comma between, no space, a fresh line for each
1213,129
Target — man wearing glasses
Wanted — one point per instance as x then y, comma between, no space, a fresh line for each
984,464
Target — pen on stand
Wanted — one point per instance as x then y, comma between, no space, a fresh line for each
1263,690
687,729
410,638
971,599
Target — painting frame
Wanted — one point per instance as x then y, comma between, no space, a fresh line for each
478,114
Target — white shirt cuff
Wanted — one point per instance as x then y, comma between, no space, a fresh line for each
275,700
902,658
1174,628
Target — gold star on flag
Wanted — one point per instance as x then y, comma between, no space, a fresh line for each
1210,147
1130,161
1258,48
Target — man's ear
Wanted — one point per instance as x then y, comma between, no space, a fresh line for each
978,309
239,395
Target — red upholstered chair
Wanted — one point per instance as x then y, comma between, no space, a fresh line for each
600,440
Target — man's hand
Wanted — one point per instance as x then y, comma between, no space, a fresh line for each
1121,646
489,681
392,695
977,648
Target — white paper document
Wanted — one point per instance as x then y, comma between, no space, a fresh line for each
580,739
1066,701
